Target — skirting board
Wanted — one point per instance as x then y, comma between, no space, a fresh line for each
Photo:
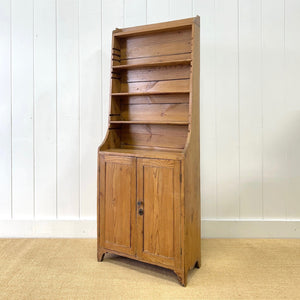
48,228
210,229
251,229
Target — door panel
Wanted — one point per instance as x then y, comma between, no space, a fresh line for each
118,203
158,190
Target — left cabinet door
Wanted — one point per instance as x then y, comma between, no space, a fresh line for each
117,203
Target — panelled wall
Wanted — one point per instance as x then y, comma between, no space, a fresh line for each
54,85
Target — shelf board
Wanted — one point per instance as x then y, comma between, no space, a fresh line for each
150,122
149,153
153,28
148,93
154,64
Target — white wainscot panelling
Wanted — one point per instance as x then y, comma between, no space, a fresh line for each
180,9
275,174
54,92
158,11
250,109
45,108
90,103
227,109
135,12
22,109
68,140
292,119
207,107
5,109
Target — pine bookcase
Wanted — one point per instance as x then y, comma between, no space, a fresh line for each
148,164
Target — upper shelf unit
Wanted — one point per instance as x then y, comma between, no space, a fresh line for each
151,73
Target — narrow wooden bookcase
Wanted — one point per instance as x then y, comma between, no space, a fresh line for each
148,164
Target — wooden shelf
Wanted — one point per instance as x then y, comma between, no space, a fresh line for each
153,28
149,153
149,93
154,64
150,122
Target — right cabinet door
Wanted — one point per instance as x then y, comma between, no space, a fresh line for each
158,211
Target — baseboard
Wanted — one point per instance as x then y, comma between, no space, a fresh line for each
48,228
210,229
250,229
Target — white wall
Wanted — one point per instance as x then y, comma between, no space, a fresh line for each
54,85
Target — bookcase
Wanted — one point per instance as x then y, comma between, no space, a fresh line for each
148,164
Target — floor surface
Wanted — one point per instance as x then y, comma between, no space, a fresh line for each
68,269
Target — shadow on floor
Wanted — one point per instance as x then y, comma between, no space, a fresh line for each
145,268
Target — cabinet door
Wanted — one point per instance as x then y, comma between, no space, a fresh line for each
118,203
158,211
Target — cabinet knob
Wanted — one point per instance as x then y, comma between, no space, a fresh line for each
141,211
140,203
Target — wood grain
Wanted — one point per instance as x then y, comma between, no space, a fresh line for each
159,27
156,44
155,99
155,73
158,189
191,177
156,112
117,203
155,86
139,151
138,64
149,93
152,60
149,159
164,136
163,122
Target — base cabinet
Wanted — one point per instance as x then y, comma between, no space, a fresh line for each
140,209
